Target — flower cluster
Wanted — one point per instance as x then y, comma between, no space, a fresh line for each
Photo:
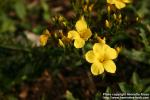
102,55
81,34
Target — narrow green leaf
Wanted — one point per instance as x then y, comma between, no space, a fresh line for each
135,78
20,9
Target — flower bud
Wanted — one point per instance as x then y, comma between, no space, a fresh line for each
107,24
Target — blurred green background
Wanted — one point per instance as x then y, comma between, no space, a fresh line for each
31,72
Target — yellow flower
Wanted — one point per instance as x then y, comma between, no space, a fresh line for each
119,3
44,37
81,34
101,58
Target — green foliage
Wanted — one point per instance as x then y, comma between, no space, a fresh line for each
138,85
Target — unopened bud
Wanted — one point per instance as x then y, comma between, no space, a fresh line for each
107,24
91,7
108,9
115,17
61,43
85,8
120,16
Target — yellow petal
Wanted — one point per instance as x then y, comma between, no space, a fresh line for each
110,1
99,50
79,43
86,34
119,4
97,68
110,53
73,34
43,39
109,66
81,25
127,1
90,57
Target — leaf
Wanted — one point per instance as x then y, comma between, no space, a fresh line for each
145,81
69,96
98,96
143,36
108,90
136,55
44,5
46,15
11,97
20,9
138,86
144,8
147,90
124,87
8,26
135,78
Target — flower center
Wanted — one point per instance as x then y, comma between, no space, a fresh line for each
101,59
